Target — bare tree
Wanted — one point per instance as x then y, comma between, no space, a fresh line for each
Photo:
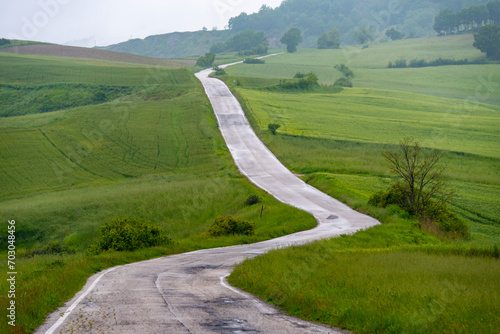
421,174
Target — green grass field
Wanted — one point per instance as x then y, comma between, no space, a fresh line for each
345,134
473,82
152,151
85,141
393,278
393,291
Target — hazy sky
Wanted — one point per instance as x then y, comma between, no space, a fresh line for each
105,22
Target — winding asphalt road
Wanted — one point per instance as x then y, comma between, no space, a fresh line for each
188,293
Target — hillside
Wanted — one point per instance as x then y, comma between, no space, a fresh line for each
439,106
87,141
313,17
78,52
398,277
370,66
173,45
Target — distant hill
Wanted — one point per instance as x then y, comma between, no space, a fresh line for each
173,45
313,17
78,52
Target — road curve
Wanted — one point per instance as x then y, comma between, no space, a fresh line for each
188,293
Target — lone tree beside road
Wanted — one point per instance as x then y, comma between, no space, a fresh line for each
292,38
420,174
421,190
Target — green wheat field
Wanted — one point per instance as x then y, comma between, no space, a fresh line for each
85,141
394,278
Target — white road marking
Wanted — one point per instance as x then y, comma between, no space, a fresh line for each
265,309
75,304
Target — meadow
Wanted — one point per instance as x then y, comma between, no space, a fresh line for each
395,277
477,83
151,151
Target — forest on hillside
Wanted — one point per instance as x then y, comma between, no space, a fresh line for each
415,18
368,19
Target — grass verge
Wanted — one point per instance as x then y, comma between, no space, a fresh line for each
379,291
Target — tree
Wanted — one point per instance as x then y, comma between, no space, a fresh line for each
218,48
364,35
206,61
292,38
329,40
394,34
488,41
421,177
479,15
421,190
273,127
446,21
218,71
248,42
239,22
494,9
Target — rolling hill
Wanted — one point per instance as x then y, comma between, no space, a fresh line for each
77,52
313,17
404,276
87,141
173,45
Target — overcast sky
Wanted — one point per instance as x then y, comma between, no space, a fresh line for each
104,22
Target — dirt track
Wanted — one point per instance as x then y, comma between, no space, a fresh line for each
187,293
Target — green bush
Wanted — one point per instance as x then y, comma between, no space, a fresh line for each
219,71
306,81
392,196
273,127
231,226
254,61
206,61
343,82
447,222
252,200
416,63
437,218
400,63
127,234
345,70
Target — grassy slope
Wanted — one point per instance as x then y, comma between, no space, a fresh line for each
173,45
365,115
475,82
154,154
87,53
336,141
347,132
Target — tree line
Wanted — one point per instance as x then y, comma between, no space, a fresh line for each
246,42
355,20
4,41
468,19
